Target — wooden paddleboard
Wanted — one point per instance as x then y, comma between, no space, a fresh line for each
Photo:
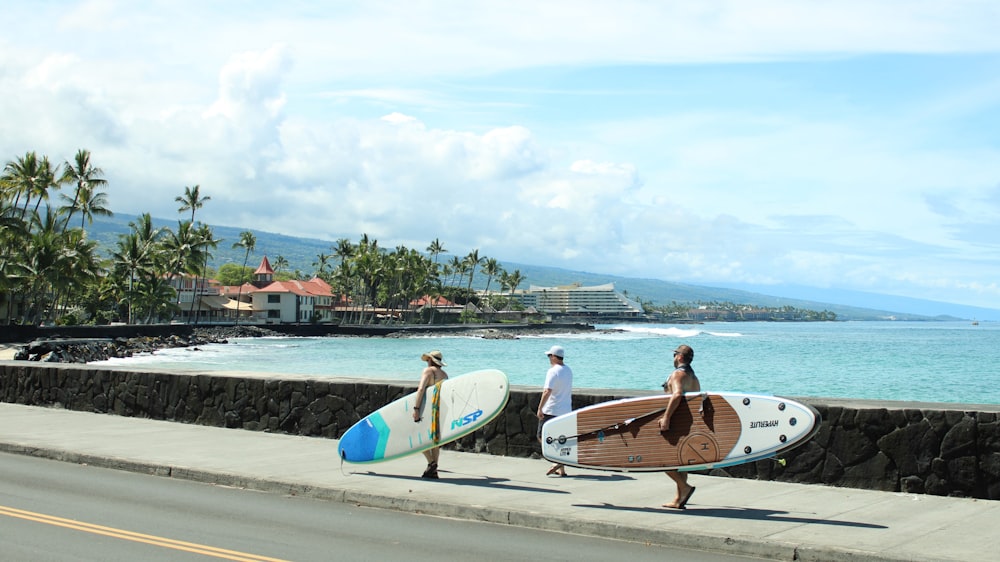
708,430
465,403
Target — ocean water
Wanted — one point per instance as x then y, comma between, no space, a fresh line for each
914,361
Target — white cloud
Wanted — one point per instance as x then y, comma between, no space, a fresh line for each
560,133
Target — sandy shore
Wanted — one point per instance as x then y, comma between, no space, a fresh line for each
7,351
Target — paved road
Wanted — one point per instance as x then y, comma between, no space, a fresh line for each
55,511
767,519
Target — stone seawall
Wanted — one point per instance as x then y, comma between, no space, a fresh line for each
940,449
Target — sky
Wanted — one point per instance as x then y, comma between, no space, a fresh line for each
849,145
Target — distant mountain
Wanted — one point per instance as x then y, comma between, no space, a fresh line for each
848,305
926,308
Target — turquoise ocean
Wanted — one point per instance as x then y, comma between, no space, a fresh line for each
912,361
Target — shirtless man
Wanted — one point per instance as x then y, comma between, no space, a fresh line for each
431,375
680,381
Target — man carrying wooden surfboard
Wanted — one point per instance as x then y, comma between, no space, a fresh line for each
680,381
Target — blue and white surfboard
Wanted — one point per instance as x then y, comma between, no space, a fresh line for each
465,403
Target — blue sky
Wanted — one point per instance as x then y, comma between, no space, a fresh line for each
847,145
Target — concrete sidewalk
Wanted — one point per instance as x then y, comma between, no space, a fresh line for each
766,519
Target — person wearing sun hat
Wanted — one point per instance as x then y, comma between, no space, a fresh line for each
557,395
432,376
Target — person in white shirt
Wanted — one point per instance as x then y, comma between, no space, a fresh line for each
557,395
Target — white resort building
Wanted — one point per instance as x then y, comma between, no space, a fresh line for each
577,300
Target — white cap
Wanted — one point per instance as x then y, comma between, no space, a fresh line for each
556,350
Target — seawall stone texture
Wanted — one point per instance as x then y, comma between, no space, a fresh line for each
939,449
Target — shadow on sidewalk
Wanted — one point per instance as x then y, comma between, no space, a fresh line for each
737,513
478,481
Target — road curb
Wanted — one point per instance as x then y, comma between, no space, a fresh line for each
741,546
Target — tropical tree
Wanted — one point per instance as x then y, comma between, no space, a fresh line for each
48,180
89,203
468,265
43,259
343,250
322,262
369,271
491,268
78,269
205,242
136,257
29,177
13,233
157,298
191,200
435,249
248,242
342,283
185,251
458,269
512,282
87,198
233,274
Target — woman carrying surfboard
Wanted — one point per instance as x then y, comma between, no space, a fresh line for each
680,381
431,377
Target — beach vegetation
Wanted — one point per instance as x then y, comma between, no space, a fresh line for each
54,273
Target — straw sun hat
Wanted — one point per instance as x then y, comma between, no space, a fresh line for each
435,357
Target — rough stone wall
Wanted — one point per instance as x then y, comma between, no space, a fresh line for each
937,449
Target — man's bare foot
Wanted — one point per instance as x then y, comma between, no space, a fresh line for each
680,502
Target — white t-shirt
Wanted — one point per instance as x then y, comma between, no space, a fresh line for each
559,378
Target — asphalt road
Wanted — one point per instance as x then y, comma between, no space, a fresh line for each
56,511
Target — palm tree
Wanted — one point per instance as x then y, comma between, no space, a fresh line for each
343,283
458,269
48,178
29,177
491,268
191,200
248,242
138,255
130,256
157,298
343,249
280,264
472,261
63,262
87,198
513,281
18,179
370,270
469,264
206,243
89,203
82,270
185,252
44,259
321,263
435,249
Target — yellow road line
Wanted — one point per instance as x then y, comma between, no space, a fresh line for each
135,537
